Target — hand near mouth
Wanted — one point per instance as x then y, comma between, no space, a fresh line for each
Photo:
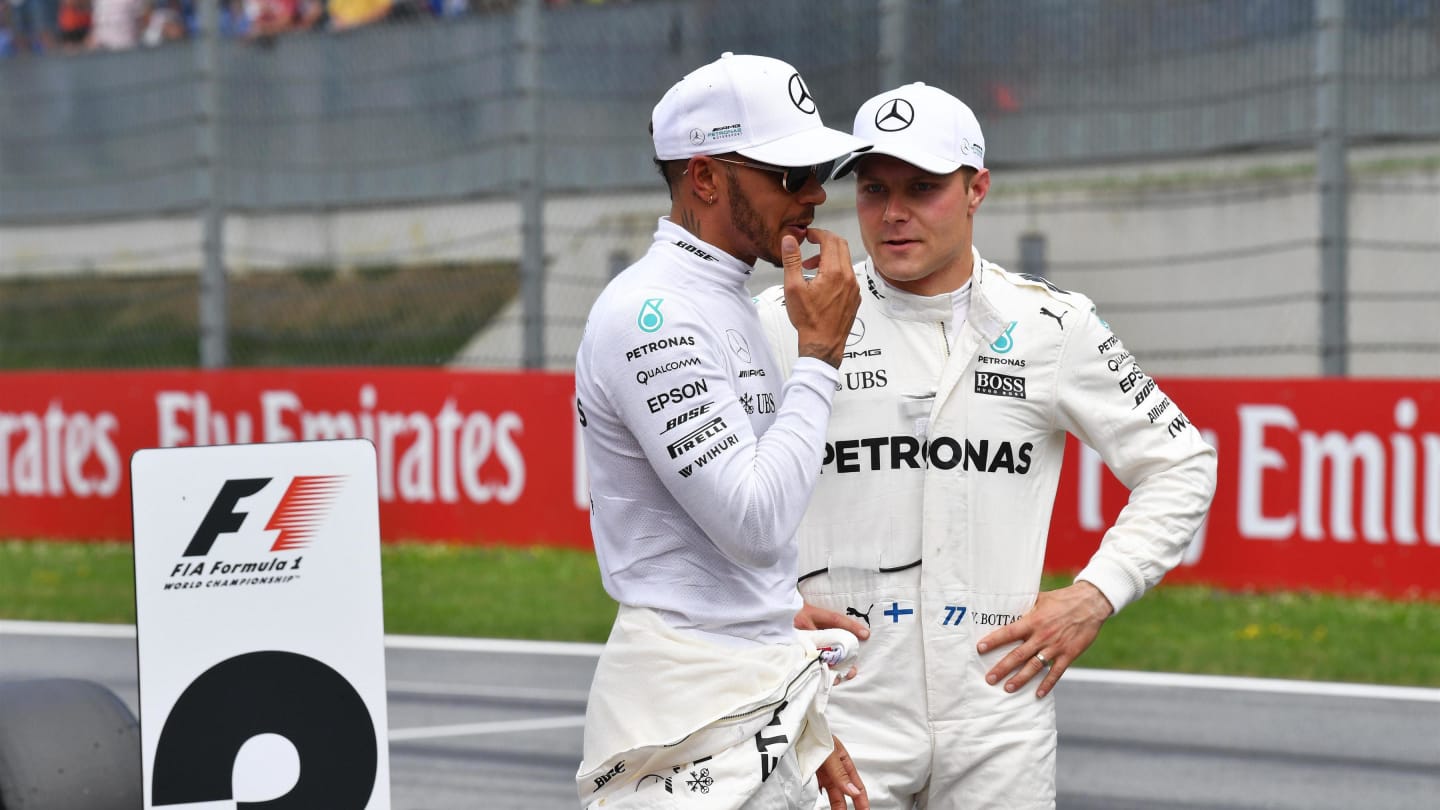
821,305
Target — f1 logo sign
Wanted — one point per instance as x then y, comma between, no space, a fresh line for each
262,680
300,512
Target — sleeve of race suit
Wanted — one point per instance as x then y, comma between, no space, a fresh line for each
1110,404
747,492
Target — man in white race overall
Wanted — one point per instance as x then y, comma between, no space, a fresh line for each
929,524
702,456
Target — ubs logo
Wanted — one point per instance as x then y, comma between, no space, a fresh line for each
758,403
894,115
863,380
800,95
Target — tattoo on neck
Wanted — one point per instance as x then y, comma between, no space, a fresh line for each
690,221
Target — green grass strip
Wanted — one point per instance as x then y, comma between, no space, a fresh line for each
554,594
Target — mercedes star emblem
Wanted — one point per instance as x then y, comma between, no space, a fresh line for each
739,345
800,95
857,332
894,116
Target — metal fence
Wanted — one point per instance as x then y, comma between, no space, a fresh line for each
414,193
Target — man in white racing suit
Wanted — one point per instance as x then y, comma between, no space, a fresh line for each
928,526
701,457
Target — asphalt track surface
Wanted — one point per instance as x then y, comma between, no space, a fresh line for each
497,724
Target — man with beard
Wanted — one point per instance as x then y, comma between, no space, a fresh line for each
701,458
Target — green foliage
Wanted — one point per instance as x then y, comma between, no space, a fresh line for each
383,315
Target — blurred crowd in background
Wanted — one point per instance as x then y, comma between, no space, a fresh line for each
34,27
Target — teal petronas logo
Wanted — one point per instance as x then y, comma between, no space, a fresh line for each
650,319
1098,318
1002,344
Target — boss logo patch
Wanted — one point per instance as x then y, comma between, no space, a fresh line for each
999,385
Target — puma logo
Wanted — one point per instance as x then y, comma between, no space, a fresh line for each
1060,319
850,611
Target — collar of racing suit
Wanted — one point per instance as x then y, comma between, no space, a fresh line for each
984,316
701,256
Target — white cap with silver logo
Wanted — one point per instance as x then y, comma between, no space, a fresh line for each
754,105
921,125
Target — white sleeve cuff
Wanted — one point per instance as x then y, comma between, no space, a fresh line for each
1113,582
817,374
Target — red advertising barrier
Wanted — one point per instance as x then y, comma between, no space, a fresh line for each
1328,485
478,457
1323,485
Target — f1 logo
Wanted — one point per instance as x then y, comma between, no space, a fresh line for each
298,515
222,517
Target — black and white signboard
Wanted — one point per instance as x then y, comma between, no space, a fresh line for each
260,627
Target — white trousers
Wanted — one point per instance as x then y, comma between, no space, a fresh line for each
919,721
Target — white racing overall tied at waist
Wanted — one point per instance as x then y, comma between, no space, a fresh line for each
701,458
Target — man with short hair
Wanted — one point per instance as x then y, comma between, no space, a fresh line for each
928,527
701,458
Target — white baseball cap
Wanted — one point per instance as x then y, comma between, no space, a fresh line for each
754,105
921,125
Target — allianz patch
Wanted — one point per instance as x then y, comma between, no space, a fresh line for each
999,385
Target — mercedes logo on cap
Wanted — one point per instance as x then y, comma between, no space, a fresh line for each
894,116
800,95
697,136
